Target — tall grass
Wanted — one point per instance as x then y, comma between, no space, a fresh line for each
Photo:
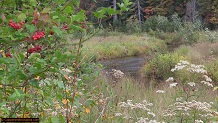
137,91
99,48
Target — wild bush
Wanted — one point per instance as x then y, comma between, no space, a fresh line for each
160,67
158,23
40,76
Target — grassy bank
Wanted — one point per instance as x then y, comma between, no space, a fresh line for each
98,48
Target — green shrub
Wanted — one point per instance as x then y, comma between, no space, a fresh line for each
159,23
160,67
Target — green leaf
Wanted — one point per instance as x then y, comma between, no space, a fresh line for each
21,17
75,27
68,10
34,83
60,84
57,31
76,2
111,11
100,13
31,28
22,57
55,17
122,6
79,17
3,61
46,10
33,2
54,120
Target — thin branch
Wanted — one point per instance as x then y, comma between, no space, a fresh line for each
102,112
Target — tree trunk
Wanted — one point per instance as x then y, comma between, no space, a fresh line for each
139,13
190,11
115,8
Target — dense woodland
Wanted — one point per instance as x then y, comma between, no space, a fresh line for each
189,10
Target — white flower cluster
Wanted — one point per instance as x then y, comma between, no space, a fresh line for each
192,84
182,64
67,70
117,74
146,120
170,79
199,121
160,91
207,81
185,108
197,69
193,69
144,105
173,84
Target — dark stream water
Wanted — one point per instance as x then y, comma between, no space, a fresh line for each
128,65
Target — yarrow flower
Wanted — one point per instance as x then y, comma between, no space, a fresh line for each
118,114
182,64
208,79
170,79
192,84
173,84
207,83
117,74
144,105
160,91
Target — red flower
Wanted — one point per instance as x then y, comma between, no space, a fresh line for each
8,55
38,35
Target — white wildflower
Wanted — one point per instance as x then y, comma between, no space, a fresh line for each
197,69
35,114
207,83
118,114
152,114
192,84
160,91
199,121
173,84
208,79
142,120
117,74
179,99
9,108
78,79
184,62
170,79
54,113
67,70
